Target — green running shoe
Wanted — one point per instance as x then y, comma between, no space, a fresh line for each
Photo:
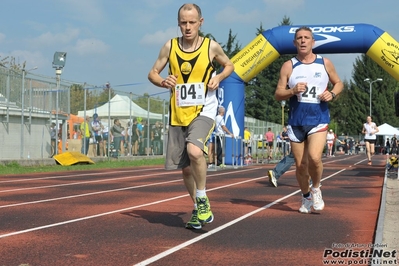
204,210
194,223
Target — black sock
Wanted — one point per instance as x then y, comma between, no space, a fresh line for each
307,195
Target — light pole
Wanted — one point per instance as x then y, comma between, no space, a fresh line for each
282,112
58,64
108,86
371,83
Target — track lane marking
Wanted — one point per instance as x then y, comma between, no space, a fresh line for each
220,228
106,191
115,211
73,175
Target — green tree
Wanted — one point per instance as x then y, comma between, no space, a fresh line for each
156,104
351,108
76,98
231,48
94,97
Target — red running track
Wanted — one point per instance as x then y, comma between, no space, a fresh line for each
136,216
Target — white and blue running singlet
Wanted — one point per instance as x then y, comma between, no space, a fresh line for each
306,108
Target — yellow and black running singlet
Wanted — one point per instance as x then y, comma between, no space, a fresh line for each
193,70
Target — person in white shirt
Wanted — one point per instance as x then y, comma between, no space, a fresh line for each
330,142
369,130
105,135
220,130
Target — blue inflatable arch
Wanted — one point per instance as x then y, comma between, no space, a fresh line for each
268,46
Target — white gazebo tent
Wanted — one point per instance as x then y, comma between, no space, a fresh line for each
123,108
387,130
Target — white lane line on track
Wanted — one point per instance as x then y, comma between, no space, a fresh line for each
87,182
87,194
107,191
80,174
220,228
121,210
360,161
209,233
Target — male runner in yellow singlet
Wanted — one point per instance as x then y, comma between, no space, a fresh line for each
192,81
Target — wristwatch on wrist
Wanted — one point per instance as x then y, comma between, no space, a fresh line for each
333,95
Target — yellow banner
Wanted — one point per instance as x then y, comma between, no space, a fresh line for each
254,57
385,52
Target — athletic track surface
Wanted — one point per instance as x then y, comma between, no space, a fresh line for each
136,216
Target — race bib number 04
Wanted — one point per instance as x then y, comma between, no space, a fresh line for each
190,94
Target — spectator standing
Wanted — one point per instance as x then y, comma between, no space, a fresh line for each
345,144
286,141
334,147
53,138
220,131
135,138
140,132
97,135
86,134
269,137
351,143
128,138
106,138
211,150
279,144
144,145
156,134
116,132
394,145
247,142
387,146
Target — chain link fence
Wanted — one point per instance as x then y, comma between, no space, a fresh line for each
141,120
30,103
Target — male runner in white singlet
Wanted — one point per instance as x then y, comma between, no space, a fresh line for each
307,76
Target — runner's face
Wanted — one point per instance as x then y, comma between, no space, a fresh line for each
304,41
189,23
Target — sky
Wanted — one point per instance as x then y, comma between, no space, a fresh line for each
118,41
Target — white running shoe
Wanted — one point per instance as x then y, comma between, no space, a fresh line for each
306,205
318,203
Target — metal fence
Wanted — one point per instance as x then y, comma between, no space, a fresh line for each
32,93
29,103
124,107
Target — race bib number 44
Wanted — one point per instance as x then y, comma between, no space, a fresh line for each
190,94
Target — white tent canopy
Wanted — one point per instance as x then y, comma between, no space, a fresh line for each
387,130
121,107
